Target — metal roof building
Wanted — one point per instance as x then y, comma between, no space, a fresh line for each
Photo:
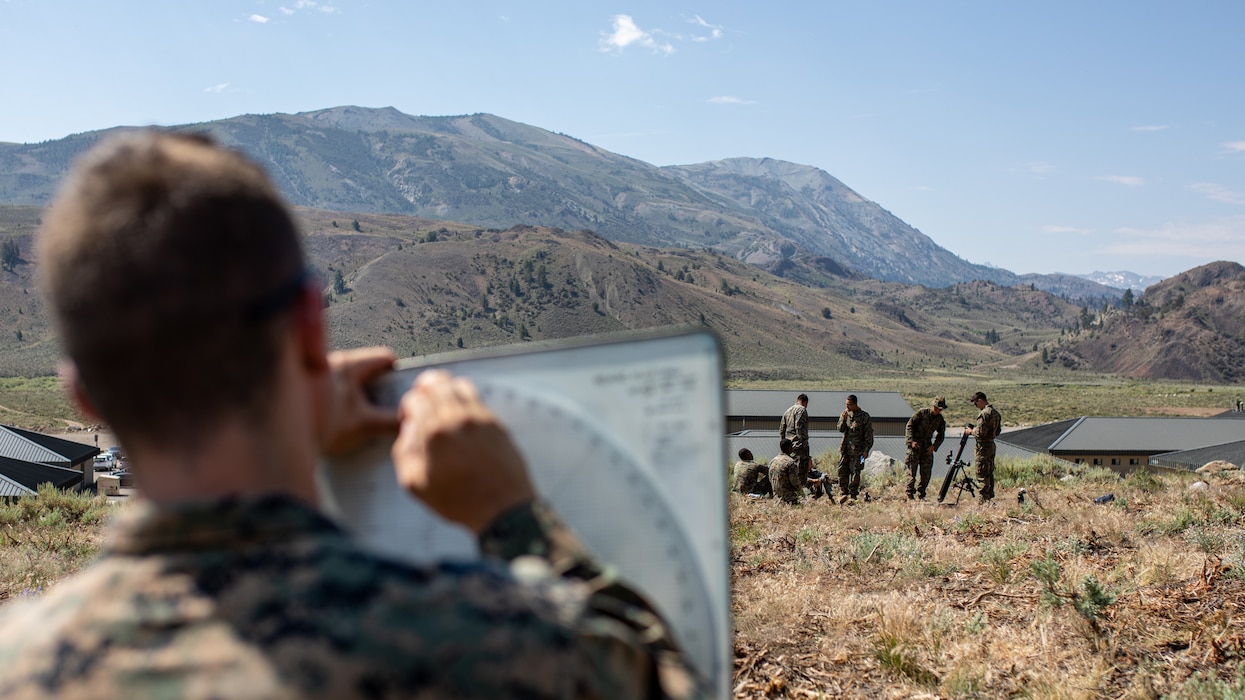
28,459
18,478
1126,442
762,409
764,446
1233,452
29,446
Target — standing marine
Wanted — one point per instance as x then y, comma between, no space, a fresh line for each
794,427
857,429
989,425
923,436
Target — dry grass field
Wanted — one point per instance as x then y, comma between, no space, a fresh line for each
1058,597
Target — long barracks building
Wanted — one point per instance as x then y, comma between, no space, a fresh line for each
762,409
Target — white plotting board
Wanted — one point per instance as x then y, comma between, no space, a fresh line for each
624,436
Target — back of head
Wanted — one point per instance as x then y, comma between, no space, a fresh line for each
745,454
802,398
785,445
167,262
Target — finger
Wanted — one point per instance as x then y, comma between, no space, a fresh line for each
361,365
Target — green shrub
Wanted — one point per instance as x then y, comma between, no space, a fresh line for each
1211,687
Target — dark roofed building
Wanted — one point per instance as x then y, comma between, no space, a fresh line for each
28,458
18,478
29,446
1233,452
1039,438
762,409
1125,443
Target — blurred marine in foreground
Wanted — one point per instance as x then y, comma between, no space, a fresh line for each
225,581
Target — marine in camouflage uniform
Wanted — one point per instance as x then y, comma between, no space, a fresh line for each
857,429
794,427
923,436
784,475
224,581
750,477
989,425
264,597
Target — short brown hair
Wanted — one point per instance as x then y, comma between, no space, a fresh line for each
160,258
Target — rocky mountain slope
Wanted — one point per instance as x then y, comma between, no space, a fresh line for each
424,286
495,173
1191,326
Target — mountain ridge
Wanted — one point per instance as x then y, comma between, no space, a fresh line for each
496,173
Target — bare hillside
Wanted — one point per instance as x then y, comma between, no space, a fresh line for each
1191,326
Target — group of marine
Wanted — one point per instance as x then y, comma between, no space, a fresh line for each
789,475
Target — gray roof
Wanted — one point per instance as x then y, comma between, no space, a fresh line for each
29,446
11,489
1145,435
1040,437
823,404
764,445
1233,452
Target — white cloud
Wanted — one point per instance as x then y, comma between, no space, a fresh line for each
1130,180
626,33
1050,228
259,19
1153,127
730,100
715,30
299,5
924,188
216,89
1233,147
1222,239
1218,193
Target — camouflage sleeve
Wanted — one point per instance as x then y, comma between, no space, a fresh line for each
909,434
533,529
648,652
843,422
996,423
801,426
940,431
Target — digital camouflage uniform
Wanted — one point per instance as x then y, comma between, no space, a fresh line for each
750,477
794,427
263,597
784,476
989,424
927,429
857,429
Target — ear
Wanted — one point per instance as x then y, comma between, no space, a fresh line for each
311,330
73,383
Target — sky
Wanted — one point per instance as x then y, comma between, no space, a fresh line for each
1053,136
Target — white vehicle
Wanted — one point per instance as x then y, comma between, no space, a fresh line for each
105,461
